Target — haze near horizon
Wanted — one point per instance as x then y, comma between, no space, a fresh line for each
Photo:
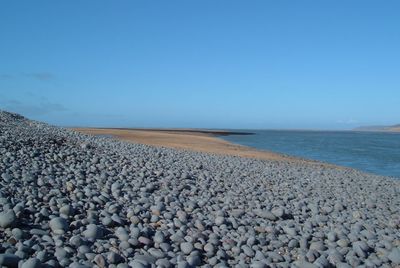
202,64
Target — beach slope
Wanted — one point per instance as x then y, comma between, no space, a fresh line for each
74,200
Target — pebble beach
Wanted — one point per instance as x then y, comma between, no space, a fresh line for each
69,199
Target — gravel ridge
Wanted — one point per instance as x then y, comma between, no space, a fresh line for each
73,200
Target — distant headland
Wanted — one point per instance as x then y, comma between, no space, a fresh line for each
393,128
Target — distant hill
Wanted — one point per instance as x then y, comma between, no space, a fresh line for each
394,128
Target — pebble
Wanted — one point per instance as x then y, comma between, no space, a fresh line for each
31,263
278,212
265,214
75,241
7,219
318,245
194,260
138,264
219,220
157,253
66,210
186,247
342,243
394,256
237,212
80,201
183,264
17,233
331,236
258,264
114,258
93,232
361,248
58,225
294,243
122,234
159,237
335,257
9,260
144,240
83,249
100,261
248,250
304,264
209,249
6,177
165,263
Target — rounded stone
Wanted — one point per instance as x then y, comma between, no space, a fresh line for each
31,263
76,241
122,234
193,260
248,250
186,247
100,261
343,243
7,218
114,258
209,249
17,233
159,237
144,240
9,260
183,264
317,245
278,212
361,248
58,225
219,220
66,210
258,264
84,249
394,256
93,232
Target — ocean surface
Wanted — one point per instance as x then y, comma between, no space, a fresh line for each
373,152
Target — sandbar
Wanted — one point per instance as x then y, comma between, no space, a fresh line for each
206,141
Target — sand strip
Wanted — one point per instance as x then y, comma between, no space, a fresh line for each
193,140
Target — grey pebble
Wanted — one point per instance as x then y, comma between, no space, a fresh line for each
394,256
17,233
159,237
361,248
265,214
31,263
114,258
248,250
278,212
93,232
58,225
9,260
75,200
186,247
7,218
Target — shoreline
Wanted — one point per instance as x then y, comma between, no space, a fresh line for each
206,141
195,131
106,191
186,139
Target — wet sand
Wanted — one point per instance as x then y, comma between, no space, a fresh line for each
190,139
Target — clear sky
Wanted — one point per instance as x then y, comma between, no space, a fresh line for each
213,64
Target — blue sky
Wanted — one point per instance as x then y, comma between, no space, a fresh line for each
211,64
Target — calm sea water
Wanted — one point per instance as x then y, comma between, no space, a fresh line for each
371,152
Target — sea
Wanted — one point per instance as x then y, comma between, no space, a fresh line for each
372,152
